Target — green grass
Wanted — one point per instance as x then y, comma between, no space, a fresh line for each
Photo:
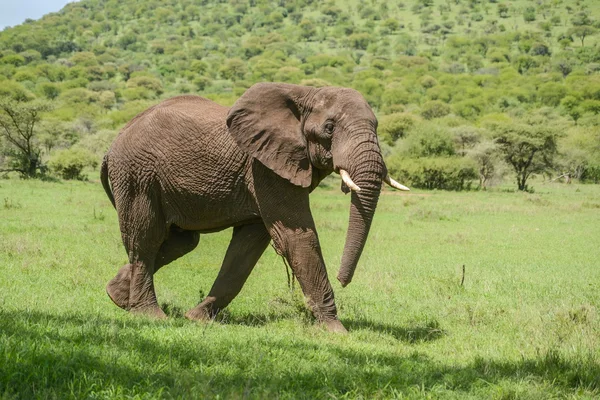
524,324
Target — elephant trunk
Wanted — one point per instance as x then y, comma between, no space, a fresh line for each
366,172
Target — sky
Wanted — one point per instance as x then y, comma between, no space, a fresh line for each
15,12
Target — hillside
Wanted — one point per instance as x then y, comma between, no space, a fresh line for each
457,68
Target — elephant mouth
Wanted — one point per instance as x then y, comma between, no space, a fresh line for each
349,183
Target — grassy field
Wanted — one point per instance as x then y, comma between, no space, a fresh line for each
524,324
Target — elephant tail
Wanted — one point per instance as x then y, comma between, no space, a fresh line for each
104,179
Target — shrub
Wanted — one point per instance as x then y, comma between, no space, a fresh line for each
79,96
69,164
447,173
468,108
396,93
428,81
147,82
529,14
435,109
15,91
394,126
49,90
551,93
428,140
539,49
13,59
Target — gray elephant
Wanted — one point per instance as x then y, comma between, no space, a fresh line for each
189,166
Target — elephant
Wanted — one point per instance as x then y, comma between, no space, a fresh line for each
188,166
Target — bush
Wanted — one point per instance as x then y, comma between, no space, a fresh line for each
529,14
69,164
446,173
394,126
539,49
147,82
15,91
551,93
428,140
49,90
428,81
435,109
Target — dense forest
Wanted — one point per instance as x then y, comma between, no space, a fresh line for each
467,92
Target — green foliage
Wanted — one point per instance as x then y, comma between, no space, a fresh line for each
69,164
13,59
149,83
529,14
434,109
15,91
551,93
428,140
446,173
49,90
485,155
445,60
580,155
234,69
395,126
19,135
529,147
582,32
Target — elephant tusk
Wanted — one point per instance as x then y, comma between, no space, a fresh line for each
348,181
394,184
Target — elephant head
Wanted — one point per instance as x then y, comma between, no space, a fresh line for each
303,134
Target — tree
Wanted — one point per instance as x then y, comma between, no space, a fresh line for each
465,137
395,126
580,154
485,155
529,14
528,148
50,90
564,66
69,164
18,127
233,69
435,109
582,32
581,18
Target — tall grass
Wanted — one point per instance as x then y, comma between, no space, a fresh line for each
524,322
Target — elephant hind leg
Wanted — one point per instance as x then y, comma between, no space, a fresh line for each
118,288
178,244
143,232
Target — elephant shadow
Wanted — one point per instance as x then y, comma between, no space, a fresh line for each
51,354
427,332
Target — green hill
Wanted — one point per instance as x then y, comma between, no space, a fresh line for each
425,66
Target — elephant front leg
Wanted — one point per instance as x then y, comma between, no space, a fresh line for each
301,248
247,245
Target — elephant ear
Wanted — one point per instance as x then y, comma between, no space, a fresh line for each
266,122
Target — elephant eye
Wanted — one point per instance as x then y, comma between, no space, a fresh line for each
329,127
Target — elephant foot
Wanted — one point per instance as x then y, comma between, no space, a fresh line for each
202,312
153,311
198,314
118,288
334,325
